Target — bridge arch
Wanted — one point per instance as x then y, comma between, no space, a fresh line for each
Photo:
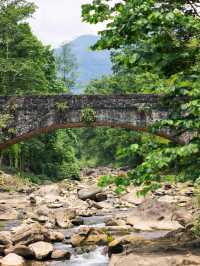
33,115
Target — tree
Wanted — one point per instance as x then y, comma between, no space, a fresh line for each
28,67
157,44
66,65
160,34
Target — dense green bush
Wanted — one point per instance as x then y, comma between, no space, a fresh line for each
68,170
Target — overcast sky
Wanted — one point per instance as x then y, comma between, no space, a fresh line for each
58,21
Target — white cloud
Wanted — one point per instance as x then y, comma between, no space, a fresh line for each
57,21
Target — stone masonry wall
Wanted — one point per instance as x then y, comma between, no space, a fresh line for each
32,115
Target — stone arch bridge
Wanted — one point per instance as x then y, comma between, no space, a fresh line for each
24,117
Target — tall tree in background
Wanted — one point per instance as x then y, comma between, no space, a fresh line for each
66,65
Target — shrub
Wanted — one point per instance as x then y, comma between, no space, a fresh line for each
68,170
88,115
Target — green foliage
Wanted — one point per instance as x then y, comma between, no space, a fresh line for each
196,228
105,180
121,182
35,179
156,51
107,146
88,116
28,67
62,106
69,170
4,119
157,33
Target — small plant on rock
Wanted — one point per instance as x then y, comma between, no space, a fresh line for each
61,106
4,120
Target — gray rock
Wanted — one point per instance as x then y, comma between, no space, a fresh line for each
153,259
41,249
5,238
63,219
88,193
60,254
101,197
55,236
27,234
21,250
12,259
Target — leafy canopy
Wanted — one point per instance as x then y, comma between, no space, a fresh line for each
156,49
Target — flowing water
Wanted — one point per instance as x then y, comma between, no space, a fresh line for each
96,257
93,258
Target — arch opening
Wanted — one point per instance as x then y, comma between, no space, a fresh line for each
42,130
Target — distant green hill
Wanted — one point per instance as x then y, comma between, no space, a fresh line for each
91,64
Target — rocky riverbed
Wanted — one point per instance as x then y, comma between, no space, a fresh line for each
76,223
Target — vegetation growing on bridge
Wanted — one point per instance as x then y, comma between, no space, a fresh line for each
62,106
88,115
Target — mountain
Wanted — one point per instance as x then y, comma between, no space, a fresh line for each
91,64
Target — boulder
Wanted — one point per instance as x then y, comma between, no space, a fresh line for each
5,238
89,236
41,249
56,236
115,222
20,250
12,259
183,217
141,224
93,204
154,259
101,197
27,234
153,215
42,211
63,219
117,246
77,239
60,255
89,193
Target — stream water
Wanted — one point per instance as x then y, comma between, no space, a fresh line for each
96,257
93,258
